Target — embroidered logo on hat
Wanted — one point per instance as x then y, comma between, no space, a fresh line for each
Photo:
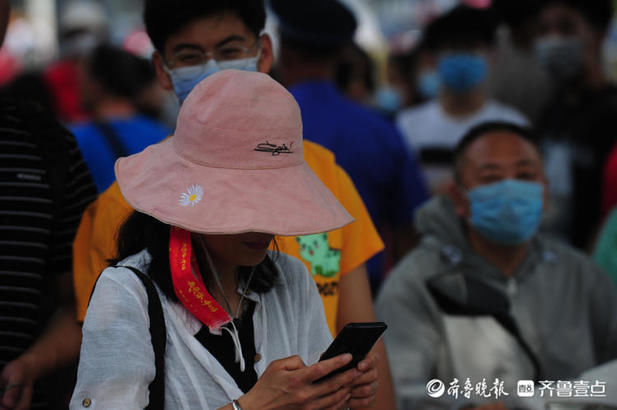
274,149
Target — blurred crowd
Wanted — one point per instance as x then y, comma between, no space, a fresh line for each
479,161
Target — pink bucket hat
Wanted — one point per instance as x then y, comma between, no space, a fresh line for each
235,164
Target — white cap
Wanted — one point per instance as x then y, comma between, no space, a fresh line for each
86,15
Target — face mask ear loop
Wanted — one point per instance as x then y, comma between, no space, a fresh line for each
165,65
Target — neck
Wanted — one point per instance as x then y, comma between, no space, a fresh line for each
506,258
113,108
228,276
462,105
592,77
294,70
595,77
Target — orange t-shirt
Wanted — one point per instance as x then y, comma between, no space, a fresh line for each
327,256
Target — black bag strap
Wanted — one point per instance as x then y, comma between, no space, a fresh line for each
114,141
482,300
159,341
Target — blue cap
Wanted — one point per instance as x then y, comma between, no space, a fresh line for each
316,23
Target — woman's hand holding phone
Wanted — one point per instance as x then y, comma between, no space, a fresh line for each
290,384
364,387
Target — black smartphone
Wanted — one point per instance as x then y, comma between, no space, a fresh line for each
355,338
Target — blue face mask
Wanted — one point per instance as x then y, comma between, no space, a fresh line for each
429,84
388,99
462,72
507,212
184,79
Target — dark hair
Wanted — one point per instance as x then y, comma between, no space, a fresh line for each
516,13
355,63
488,127
163,18
119,72
598,13
141,231
461,28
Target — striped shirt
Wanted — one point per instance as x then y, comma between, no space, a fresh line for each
35,234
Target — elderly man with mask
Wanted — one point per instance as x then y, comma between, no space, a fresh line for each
484,299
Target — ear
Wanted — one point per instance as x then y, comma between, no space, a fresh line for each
266,59
161,75
459,199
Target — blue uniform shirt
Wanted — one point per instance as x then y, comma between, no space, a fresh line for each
134,134
372,152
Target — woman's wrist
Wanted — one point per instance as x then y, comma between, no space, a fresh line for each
245,402
235,405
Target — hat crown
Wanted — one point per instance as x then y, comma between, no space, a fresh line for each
240,120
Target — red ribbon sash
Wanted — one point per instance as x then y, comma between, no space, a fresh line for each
188,284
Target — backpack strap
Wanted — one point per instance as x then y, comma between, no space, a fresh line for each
113,139
159,341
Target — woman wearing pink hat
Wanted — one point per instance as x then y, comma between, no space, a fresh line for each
236,322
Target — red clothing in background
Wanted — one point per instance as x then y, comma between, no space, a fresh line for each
63,81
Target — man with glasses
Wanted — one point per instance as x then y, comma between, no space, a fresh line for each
192,40
189,63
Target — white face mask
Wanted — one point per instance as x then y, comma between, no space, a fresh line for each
184,79
562,56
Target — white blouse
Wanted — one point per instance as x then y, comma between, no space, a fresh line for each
117,359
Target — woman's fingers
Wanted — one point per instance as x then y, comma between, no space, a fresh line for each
366,377
323,368
289,382
364,391
369,362
289,363
334,400
367,402
343,380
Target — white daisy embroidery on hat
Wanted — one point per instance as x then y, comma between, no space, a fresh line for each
192,196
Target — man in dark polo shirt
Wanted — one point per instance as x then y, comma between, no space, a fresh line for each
44,187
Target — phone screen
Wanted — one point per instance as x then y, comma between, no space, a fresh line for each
355,338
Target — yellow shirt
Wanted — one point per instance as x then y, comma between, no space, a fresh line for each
327,256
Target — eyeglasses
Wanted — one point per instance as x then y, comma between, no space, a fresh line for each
228,52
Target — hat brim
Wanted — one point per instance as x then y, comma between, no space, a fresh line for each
287,201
